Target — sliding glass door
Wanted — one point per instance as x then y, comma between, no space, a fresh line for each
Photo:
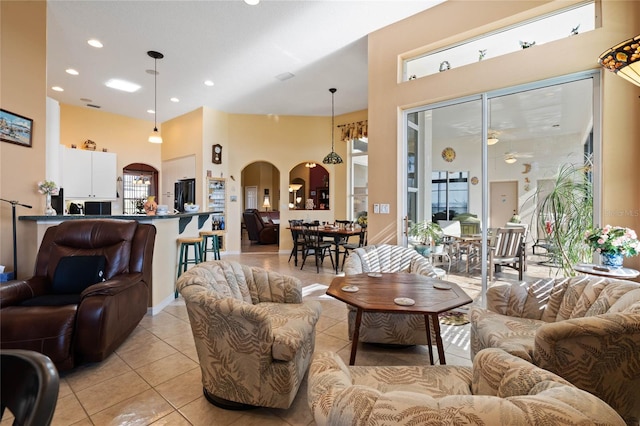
481,160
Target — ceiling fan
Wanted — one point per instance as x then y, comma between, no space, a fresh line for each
511,157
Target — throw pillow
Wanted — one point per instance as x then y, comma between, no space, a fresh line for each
75,273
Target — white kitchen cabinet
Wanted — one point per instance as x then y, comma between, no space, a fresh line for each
89,174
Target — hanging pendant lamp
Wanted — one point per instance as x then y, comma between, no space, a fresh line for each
624,60
155,136
332,157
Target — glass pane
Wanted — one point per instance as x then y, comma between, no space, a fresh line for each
548,28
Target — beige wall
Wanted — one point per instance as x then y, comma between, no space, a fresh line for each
22,91
458,20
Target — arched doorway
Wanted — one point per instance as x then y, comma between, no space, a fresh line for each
260,183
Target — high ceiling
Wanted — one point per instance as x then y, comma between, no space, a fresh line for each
241,48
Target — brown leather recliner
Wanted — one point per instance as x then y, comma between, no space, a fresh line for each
259,230
86,327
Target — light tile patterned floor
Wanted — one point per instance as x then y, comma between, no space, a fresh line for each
154,377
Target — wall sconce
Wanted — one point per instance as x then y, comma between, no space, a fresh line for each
310,165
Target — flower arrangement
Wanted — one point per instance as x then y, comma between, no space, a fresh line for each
48,187
613,240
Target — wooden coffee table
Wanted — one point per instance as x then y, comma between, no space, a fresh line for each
377,294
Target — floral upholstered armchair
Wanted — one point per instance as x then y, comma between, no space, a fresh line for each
253,333
585,329
388,328
500,389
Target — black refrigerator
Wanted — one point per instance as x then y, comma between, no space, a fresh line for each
185,192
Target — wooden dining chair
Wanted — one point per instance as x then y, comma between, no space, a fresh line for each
507,251
349,247
298,240
315,245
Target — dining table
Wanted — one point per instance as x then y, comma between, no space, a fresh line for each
338,235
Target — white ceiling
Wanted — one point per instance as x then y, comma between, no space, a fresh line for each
241,48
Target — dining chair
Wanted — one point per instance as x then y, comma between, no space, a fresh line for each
455,245
314,244
349,247
507,251
298,240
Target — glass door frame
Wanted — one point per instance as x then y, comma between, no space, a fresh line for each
594,75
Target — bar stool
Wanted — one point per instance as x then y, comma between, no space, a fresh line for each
215,245
183,257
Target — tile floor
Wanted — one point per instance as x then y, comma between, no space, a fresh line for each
154,377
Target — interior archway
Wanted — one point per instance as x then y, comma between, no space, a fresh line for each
260,182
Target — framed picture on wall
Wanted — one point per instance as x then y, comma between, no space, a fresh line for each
15,128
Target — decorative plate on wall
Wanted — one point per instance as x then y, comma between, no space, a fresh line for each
448,154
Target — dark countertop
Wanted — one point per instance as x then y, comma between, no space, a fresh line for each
121,216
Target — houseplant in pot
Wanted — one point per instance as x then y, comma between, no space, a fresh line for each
424,234
613,243
565,213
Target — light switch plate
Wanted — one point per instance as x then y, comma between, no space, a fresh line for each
384,208
376,208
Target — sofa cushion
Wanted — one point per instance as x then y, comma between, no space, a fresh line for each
75,273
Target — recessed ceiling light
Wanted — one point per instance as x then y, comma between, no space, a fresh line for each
150,111
252,2
72,71
57,89
125,86
94,43
174,100
208,83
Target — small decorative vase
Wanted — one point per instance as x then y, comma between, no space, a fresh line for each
612,260
49,211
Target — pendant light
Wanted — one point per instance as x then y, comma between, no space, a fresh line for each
332,157
155,136
624,60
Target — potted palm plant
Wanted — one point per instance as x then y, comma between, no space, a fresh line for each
425,234
566,213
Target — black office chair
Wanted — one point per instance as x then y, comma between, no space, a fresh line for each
30,385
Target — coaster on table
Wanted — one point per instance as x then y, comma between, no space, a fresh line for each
350,288
374,274
441,286
404,301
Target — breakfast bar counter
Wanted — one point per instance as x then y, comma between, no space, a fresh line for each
165,253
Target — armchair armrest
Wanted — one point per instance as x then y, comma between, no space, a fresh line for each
499,373
590,349
14,292
522,300
329,377
112,287
598,354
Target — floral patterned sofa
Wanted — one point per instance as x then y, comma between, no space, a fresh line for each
387,328
585,329
253,333
500,389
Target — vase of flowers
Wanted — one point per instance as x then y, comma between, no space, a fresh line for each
613,243
48,188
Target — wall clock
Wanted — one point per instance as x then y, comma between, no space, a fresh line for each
448,154
217,154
